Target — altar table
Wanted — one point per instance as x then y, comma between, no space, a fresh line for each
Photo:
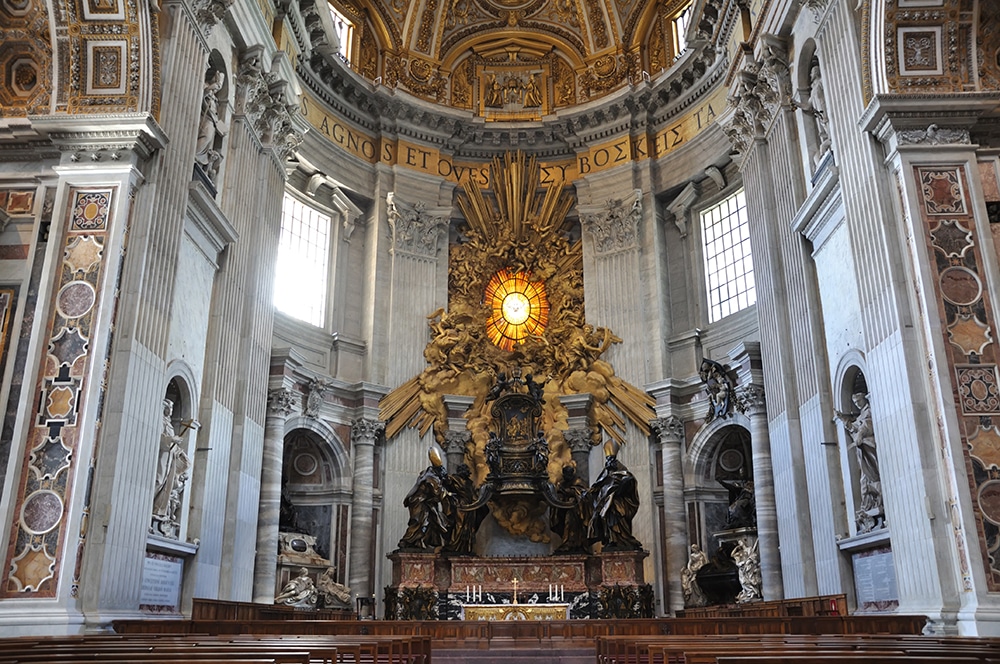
515,612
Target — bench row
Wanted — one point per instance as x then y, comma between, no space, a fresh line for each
205,649
713,649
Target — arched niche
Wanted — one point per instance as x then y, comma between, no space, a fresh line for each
316,489
862,498
175,457
719,451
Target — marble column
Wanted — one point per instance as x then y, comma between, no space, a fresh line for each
750,399
670,432
578,433
455,443
279,405
458,436
364,434
579,447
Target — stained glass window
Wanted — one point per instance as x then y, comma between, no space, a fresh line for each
519,308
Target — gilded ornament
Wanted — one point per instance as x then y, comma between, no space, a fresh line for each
518,228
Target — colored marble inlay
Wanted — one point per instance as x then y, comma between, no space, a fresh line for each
20,202
951,238
90,212
984,444
38,543
969,334
989,501
967,321
960,285
942,191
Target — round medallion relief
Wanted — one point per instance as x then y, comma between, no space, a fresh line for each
960,285
305,464
75,299
989,501
731,460
41,512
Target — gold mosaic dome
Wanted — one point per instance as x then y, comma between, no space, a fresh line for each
510,59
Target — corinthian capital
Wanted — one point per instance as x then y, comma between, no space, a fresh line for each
750,400
455,441
415,229
366,430
615,226
280,402
578,440
668,429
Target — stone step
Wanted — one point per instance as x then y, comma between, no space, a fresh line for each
538,655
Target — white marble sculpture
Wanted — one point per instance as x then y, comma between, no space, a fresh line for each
171,477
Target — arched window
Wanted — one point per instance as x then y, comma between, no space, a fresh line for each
344,31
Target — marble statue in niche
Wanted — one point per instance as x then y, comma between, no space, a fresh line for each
171,477
211,127
859,428
816,106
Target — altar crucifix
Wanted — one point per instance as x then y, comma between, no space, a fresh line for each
515,590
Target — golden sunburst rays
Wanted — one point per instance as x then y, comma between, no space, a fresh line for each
519,211
516,256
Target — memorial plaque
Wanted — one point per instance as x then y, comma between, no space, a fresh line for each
875,580
161,583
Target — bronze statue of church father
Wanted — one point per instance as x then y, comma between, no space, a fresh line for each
518,542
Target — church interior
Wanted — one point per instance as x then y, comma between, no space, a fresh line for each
483,312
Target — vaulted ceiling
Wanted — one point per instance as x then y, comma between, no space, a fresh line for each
492,56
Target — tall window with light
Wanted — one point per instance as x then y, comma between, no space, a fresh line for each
679,27
300,282
345,33
728,263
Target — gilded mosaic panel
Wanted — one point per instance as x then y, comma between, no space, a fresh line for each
38,540
929,46
25,58
969,331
